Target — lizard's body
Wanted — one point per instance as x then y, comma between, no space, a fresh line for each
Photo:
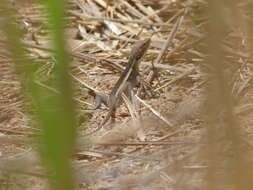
128,78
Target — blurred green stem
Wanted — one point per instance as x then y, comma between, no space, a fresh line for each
55,112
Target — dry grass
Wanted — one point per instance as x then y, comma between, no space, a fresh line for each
150,152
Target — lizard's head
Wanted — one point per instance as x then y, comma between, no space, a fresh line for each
140,48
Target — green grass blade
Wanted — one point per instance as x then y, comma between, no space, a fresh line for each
55,112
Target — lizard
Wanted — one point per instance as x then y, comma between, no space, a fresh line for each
127,80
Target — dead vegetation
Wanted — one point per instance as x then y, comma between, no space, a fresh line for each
163,148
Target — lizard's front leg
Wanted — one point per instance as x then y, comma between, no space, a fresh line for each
99,99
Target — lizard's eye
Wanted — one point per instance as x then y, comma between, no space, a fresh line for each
139,56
